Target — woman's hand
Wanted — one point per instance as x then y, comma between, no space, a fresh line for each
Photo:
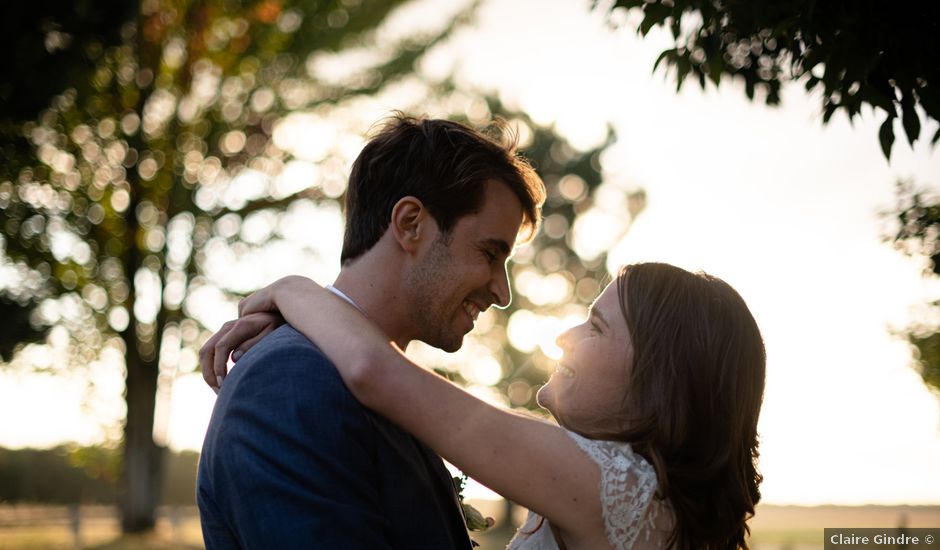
235,338
258,315
281,291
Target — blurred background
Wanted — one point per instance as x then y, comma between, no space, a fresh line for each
162,158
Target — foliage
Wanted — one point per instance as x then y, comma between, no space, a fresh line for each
162,156
928,355
118,164
108,195
70,474
883,55
857,53
560,273
127,182
19,329
52,41
33,476
918,233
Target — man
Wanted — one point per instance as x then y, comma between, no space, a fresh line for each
291,459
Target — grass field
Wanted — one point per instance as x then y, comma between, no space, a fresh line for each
773,528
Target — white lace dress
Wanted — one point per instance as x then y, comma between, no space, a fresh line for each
633,518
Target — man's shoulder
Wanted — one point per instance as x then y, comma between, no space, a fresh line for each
284,337
286,344
287,357
286,374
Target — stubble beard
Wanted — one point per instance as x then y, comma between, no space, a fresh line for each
431,315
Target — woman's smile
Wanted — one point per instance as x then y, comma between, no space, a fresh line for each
564,371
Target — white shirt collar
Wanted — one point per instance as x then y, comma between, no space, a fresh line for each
342,295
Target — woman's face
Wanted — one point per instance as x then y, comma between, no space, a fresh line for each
586,391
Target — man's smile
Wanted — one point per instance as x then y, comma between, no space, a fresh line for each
472,309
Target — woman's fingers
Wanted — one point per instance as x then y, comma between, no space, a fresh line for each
258,301
207,357
264,299
237,335
269,322
243,305
223,347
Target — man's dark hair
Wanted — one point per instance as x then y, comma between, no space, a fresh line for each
445,165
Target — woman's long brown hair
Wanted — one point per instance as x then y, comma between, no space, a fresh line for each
693,398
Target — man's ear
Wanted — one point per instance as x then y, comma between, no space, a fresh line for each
409,223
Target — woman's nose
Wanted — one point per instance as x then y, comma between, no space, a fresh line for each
562,339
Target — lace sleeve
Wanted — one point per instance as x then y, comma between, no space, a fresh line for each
633,518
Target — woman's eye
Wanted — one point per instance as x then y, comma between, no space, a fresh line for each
595,328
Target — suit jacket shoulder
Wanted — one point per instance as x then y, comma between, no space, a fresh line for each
287,435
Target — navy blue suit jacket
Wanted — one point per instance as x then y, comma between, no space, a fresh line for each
292,460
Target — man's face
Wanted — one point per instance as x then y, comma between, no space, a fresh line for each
459,276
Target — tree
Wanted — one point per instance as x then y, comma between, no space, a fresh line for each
50,40
149,149
918,233
62,475
147,114
883,55
70,474
859,53
555,277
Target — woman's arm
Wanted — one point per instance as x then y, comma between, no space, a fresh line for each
531,462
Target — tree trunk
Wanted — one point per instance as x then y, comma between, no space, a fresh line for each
142,471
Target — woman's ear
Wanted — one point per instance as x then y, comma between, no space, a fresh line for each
409,223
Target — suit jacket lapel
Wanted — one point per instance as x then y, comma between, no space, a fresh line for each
445,484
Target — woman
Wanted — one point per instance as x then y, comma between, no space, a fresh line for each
657,396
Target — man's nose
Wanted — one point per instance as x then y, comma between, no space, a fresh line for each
499,288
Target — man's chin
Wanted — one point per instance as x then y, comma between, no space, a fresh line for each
451,346
445,342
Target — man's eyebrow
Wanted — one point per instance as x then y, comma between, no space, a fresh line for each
499,244
600,317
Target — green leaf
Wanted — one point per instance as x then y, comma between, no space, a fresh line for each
773,94
930,102
876,99
626,4
668,55
683,66
655,15
886,136
828,111
853,108
716,65
811,58
910,120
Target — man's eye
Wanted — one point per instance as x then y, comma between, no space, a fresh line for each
595,328
490,257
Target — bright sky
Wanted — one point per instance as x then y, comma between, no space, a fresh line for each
784,209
